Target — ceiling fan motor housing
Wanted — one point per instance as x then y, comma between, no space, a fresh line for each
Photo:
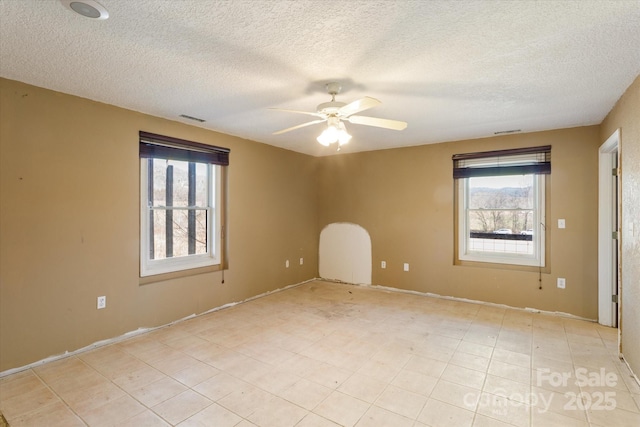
330,108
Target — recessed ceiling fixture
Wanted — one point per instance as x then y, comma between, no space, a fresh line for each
89,8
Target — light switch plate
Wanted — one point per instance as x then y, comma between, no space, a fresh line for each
561,223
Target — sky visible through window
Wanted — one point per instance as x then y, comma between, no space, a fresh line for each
503,181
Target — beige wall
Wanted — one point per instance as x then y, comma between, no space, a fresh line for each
404,199
626,117
69,221
69,224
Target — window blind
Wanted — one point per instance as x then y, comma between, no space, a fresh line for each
166,147
519,161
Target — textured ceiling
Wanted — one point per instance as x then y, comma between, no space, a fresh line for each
451,69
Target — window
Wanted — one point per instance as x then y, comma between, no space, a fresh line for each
501,205
181,194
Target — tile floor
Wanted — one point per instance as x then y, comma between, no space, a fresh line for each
328,354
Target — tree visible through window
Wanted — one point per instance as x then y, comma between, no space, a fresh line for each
501,212
179,207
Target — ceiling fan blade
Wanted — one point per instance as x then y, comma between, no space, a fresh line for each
299,126
357,106
374,121
308,113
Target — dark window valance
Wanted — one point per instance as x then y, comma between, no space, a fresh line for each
519,161
166,147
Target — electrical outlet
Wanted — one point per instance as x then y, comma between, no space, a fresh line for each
406,266
301,261
383,264
102,302
562,283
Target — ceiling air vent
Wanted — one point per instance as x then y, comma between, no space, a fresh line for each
195,119
504,132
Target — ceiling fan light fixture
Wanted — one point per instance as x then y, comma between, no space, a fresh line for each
328,136
335,113
343,135
344,138
335,132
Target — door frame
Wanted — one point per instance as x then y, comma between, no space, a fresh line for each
607,200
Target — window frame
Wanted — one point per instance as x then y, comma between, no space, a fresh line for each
534,161
150,267
159,147
537,259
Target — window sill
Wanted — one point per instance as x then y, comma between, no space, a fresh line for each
486,264
178,274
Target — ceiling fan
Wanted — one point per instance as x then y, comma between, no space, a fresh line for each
335,113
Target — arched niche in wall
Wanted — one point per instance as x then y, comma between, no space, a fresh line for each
345,253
